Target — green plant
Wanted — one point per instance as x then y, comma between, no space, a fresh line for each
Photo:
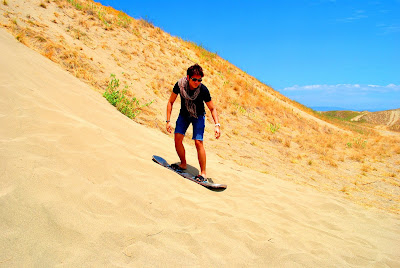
127,106
274,127
102,16
124,20
357,143
146,22
204,53
240,109
360,143
76,4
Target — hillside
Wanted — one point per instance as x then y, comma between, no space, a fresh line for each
261,129
382,120
344,115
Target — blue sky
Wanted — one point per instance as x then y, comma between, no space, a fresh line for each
336,53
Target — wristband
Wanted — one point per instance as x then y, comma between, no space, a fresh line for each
218,125
168,121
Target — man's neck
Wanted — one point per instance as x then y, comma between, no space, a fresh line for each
194,87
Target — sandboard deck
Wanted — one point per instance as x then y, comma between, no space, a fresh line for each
161,161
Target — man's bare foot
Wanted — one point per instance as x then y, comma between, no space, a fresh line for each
200,178
177,167
183,166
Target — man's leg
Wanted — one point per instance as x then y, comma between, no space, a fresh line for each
180,149
182,124
201,154
198,132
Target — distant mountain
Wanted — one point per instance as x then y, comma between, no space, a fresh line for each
389,118
327,108
332,108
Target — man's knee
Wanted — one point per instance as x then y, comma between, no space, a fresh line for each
198,143
179,138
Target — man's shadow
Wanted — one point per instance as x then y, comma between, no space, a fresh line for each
192,170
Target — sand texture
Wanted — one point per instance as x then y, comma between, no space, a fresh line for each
78,189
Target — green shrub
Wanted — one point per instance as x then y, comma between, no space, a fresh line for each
274,127
128,106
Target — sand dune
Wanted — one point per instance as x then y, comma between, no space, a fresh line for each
78,188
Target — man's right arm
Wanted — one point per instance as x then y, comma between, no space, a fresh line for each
170,103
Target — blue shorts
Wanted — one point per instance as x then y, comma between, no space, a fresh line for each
183,122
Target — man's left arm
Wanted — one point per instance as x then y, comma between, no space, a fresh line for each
214,114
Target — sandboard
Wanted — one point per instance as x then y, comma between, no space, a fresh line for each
186,175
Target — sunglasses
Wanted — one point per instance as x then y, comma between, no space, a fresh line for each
195,80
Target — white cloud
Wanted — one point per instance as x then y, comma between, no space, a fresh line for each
357,15
394,87
341,87
349,96
389,29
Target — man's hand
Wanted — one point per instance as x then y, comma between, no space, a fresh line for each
217,132
214,114
169,127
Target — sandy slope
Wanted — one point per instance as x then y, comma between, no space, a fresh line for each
78,188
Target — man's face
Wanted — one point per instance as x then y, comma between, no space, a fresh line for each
194,84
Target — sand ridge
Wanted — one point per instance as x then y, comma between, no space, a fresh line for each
78,188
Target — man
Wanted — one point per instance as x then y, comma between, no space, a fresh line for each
193,95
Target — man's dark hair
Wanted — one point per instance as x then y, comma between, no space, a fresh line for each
195,70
